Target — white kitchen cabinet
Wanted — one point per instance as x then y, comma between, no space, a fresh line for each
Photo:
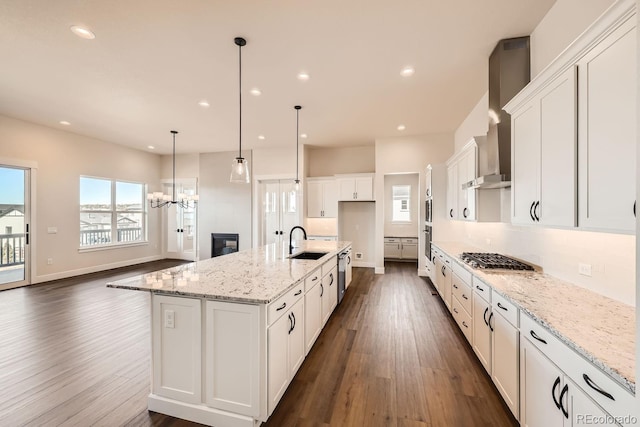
452,191
286,350
543,151
231,335
607,125
392,248
329,291
401,248
348,272
443,279
550,398
429,181
466,171
481,330
313,315
358,187
322,200
505,354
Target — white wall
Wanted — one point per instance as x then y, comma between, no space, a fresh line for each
409,154
61,158
558,252
475,124
394,229
564,22
224,207
357,225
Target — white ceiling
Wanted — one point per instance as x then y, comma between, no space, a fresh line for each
153,60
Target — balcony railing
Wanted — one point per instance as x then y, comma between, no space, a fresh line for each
11,249
103,237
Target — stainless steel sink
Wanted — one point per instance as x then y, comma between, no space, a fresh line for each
309,255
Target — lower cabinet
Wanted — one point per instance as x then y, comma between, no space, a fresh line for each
550,398
312,315
505,360
481,329
329,293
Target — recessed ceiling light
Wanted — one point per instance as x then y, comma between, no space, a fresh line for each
303,135
151,147
204,103
304,76
82,32
256,92
401,127
64,123
407,71
261,137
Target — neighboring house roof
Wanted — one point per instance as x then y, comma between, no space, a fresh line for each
7,209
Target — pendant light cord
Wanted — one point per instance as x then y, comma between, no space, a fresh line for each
297,143
174,165
240,103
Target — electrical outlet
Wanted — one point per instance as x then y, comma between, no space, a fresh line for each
52,230
358,255
49,261
584,269
169,319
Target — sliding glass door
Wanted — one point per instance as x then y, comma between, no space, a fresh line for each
14,227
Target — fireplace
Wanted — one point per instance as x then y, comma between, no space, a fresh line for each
223,243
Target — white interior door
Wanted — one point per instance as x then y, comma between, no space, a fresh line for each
14,227
181,224
280,210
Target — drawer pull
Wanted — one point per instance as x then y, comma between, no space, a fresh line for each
284,304
297,293
502,307
535,336
465,297
455,310
553,392
455,286
465,324
479,288
594,386
314,279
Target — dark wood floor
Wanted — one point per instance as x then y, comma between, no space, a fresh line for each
74,352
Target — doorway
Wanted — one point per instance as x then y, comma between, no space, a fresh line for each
279,203
14,227
401,217
180,224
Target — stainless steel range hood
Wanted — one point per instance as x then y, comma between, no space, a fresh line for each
509,72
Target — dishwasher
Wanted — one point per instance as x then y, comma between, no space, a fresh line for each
344,265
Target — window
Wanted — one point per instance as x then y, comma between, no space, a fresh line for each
111,212
401,203
8,229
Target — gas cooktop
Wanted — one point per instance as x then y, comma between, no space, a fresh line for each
489,260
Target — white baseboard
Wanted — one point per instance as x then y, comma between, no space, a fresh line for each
198,413
379,270
93,269
363,264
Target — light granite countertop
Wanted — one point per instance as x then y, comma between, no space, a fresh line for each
599,328
254,276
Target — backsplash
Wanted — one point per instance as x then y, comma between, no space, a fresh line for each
611,257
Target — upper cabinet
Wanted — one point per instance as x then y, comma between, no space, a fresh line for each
573,135
321,197
355,187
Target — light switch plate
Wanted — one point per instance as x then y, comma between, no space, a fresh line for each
169,319
584,269
52,230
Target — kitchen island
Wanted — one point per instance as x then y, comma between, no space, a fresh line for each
229,333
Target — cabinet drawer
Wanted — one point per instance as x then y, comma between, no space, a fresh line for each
462,272
505,308
391,240
329,265
482,289
545,341
409,240
284,303
462,291
462,318
312,279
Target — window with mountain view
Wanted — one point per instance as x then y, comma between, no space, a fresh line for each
111,212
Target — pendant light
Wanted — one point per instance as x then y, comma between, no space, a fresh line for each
240,165
159,200
297,180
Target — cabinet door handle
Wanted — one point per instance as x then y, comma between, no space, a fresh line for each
290,324
531,211
565,412
465,296
464,212
297,293
284,304
321,290
594,386
484,316
331,277
634,209
294,321
535,211
490,326
451,213
348,259
535,336
502,307
443,271
553,392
